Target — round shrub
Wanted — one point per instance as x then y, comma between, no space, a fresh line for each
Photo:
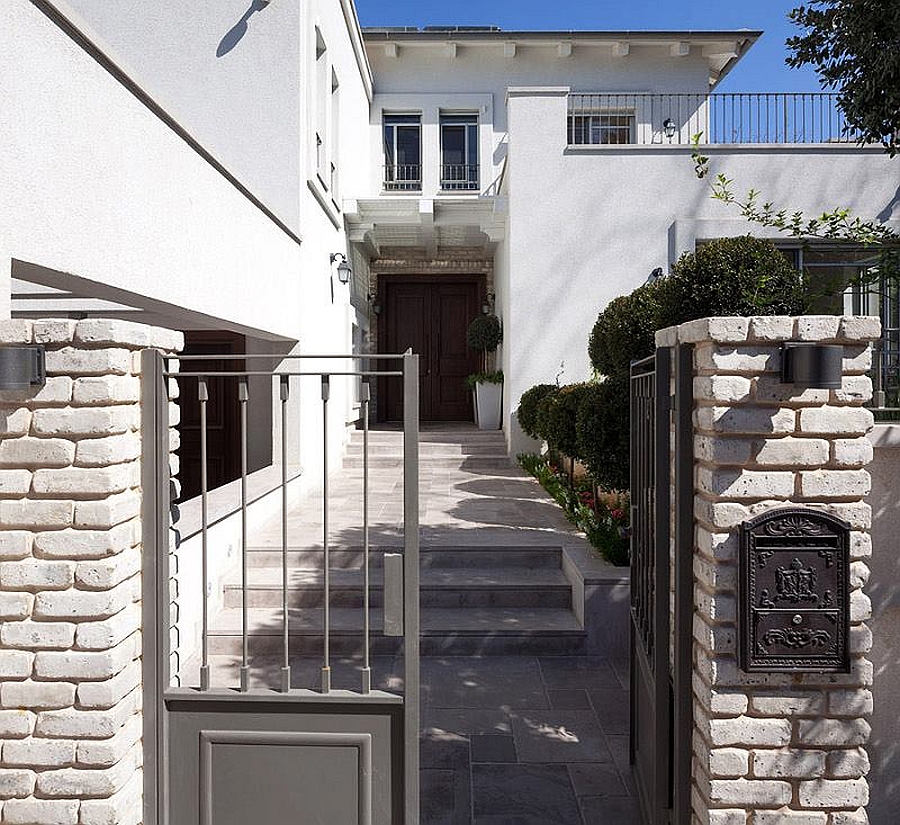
556,416
602,431
732,276
484,333
528,407
625,330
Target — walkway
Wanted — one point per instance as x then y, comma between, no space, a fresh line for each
520,726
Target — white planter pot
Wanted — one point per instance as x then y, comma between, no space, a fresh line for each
488,400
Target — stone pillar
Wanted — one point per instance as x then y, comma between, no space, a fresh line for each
775,749
70,585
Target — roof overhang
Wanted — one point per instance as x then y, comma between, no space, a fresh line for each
426,223
721,49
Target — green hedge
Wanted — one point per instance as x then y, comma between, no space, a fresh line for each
601,430
528,407
729,276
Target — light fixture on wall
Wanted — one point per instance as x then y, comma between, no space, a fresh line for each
487,308
372,298
669,128
343,267
22,368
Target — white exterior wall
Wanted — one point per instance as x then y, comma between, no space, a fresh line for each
424,78
609,216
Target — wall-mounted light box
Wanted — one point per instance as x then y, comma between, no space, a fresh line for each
22,368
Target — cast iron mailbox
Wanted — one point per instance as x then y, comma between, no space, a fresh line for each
794,599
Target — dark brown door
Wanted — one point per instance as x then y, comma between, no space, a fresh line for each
431,317
222,414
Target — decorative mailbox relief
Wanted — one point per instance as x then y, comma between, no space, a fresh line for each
794,600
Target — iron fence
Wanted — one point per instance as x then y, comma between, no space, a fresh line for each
403,177
457,176
737,118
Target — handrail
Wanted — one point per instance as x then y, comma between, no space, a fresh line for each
596,118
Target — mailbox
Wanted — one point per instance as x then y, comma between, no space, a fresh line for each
794,599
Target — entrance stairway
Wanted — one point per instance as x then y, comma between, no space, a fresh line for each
491,583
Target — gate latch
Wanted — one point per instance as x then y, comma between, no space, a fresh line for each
393,594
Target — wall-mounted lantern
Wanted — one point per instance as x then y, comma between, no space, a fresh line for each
22,368
812,366
669,128
372,298
343,267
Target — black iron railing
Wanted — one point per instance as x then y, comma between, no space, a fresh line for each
757,118
404,177
456,176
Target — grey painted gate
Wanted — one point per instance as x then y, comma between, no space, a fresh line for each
662,584
233,754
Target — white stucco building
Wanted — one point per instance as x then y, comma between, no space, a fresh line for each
197,167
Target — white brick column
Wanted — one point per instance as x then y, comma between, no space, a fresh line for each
775,749
70,585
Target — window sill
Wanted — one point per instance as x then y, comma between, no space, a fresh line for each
329,207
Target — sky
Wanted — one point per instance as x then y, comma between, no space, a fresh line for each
762,69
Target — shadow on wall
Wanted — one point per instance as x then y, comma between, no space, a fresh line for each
238,30
884,745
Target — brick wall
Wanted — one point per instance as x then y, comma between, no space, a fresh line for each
70,585
775,748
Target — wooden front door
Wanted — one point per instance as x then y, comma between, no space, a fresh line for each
431,316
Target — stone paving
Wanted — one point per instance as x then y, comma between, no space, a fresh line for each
525,741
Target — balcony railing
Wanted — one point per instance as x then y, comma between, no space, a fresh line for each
775,118
456,176
403,177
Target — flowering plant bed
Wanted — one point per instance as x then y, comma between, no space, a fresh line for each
602,517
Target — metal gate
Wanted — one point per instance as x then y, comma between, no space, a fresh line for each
224,754
662,584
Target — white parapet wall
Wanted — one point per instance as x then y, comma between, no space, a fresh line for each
770,747
70,586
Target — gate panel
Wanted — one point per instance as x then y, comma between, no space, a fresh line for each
662,531
227,755
650,508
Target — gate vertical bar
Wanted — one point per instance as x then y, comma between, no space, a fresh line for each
243,398
284,392
203,398
684,586
326,656
367,669
411,582
661,571
155,516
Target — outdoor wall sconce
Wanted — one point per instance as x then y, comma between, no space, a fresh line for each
372,298
22,368
343,267
487,308
812,366
669,128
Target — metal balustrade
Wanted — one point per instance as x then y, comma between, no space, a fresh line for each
738,118
456,176
403,177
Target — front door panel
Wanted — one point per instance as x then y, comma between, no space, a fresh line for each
431,315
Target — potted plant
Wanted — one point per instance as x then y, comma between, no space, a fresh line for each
485,334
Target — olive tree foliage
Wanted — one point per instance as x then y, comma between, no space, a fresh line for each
854,48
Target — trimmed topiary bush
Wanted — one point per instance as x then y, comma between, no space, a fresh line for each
602,431
557,418
625,330
733,276
484,333
528,407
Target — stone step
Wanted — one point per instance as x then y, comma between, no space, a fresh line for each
502,587
471,463
451,632
437,450
452,557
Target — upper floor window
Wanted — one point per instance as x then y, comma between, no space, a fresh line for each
600,128
321,108
459,152
403,152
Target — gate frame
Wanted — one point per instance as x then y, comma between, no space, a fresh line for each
156,505
664,798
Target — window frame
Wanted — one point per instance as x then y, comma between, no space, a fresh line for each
393,120
469,123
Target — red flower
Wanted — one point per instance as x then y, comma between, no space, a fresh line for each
617,513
